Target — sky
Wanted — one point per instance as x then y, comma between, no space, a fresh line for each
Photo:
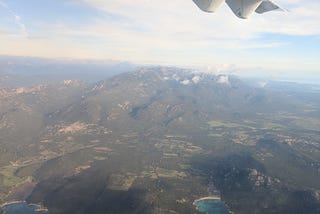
172,32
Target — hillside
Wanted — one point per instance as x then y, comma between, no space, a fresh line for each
153,140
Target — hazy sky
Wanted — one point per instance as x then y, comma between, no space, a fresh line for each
170,32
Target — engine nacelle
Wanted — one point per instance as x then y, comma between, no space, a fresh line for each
209,5
244,8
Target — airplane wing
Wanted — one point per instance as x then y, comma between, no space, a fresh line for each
241,8
267,6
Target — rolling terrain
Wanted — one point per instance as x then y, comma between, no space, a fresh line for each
153,140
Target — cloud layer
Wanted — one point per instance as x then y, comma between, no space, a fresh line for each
173,32
17,19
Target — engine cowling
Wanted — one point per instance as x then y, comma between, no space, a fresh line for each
209,5
244,8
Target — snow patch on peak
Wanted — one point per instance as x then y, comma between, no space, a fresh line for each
262,84
175,77
185,82
196,79
223,79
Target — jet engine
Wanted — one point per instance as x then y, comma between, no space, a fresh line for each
209,5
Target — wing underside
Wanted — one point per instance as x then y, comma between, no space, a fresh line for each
267,6
241,8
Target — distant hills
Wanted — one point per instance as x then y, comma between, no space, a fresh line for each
27,71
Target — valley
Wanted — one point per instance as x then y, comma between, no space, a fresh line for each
155,139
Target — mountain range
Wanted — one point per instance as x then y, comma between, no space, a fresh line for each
155,138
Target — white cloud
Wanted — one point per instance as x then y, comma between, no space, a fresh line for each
147,30
173,32
17,19
183,17
2,4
